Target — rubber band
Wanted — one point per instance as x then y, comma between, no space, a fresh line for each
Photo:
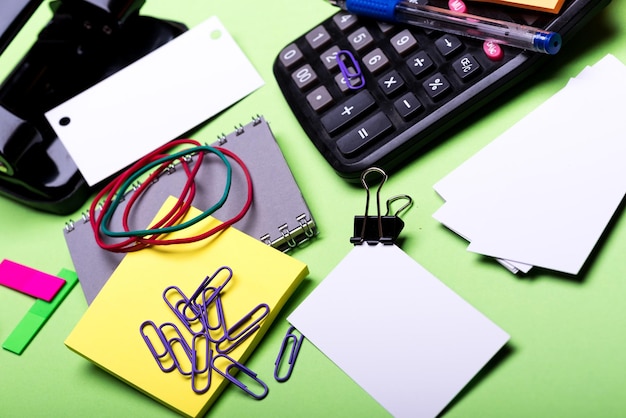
114,193
109,190
221,226
172,228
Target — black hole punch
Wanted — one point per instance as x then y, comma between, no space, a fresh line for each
64,121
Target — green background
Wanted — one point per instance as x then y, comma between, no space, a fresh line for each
566,356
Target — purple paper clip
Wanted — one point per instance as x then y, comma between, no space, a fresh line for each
172,342
240,367
212,331
201,373
175,308
159,357
352,74
193,300
251,323
296,343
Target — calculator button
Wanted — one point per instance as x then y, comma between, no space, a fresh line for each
365,133
375,61
448,45
318,37
304,77
408,106
420,63
337,117
404,42
457,6
329,58
360,39
493,51
319,98
340,81
391,83
385,27
344,21
436,86
290,55
466,67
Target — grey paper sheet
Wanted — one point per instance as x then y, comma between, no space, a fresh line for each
278,216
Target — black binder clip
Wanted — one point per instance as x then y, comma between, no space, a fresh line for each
383,229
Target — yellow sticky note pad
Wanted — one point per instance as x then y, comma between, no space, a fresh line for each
550,6
108,333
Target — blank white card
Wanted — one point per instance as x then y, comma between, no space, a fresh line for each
397,331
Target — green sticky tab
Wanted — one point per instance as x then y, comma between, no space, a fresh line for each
23,333
37,316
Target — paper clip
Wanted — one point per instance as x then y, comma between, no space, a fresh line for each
159,357
253,324
180,340
296,343
352,75
193,300
221,321
175,308
205,371
236,365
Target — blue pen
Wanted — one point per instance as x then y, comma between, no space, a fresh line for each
414,12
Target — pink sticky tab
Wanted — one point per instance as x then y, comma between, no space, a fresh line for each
29,281
493,50
457,6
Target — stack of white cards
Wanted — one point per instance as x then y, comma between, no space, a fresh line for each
543,192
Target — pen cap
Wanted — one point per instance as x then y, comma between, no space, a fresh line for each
377,9
548,42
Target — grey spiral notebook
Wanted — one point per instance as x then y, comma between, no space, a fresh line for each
278,216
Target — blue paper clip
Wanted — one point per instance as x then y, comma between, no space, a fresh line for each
296,343
240,367
352,75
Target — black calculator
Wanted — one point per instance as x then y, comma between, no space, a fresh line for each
370,93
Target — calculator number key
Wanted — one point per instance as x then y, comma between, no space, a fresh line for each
290,55
344,21
404,42
375,61
304,77
318,37
360,39
329,58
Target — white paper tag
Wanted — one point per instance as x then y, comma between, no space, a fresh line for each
154,100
